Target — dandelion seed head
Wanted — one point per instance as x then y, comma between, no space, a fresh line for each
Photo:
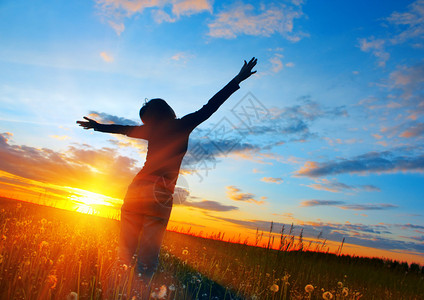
171,287
309,288
274,288
43,245
72,296
161,294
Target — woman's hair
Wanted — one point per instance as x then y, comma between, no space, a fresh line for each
156,110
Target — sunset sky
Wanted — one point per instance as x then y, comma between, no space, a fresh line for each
327,135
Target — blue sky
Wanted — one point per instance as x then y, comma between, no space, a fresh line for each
334,144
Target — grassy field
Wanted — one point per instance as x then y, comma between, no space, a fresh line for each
46,253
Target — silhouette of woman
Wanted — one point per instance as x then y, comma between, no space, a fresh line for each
148,202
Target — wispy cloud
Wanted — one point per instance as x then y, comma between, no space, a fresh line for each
210,205
116,11
343,205
296,120
407,26
337,187
119,27
414,131
277,64
266,20
111,119
106,57
410,23
410,80
276,180
183,57
190,7
60,137
376,47
309,203
372,162
236,194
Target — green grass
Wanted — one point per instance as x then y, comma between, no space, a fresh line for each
46,253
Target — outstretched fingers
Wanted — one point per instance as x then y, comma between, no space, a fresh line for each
90,123
253,62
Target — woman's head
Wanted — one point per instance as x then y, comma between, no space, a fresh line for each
156,110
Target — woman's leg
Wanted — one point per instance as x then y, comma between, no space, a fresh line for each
131,225
149,245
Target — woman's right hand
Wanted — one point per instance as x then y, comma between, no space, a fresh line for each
89,124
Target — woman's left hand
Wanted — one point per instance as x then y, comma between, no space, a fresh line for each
246,70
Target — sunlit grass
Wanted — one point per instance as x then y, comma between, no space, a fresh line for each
46,253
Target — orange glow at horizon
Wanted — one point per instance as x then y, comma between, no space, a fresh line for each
83,201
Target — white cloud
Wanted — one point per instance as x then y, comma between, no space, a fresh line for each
244,19
411,22
118,27
376,47
236,194
182,57
116,11
277,64
406,26
189,7
60,137
409,80
106,57
160,16
276,180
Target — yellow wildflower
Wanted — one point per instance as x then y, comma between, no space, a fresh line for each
274,288
309,288
52,281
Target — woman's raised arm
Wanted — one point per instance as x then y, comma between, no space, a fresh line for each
194,119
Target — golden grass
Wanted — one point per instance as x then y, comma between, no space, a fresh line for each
46,253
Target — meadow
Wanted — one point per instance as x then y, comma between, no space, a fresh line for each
47,253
